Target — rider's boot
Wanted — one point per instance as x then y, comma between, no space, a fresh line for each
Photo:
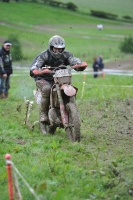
44,115
44,110
45,88
43,128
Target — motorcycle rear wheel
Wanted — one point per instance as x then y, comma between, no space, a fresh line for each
73,129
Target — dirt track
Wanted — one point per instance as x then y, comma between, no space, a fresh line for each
120,64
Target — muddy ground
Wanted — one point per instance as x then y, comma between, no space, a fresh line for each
120,64
113,116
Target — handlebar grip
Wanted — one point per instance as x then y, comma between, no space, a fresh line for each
83,64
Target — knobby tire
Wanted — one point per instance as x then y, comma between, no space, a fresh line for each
73,129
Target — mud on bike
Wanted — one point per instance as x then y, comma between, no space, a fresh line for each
63,111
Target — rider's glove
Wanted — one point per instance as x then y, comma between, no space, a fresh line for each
37,72
45,71
80,66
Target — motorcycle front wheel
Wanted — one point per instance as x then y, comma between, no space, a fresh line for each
73,129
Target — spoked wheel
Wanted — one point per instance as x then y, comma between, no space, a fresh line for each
73,130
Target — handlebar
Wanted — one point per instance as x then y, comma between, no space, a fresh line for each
49,69
79,65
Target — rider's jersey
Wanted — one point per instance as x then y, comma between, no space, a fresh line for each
46,59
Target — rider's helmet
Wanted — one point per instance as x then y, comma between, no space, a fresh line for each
57,42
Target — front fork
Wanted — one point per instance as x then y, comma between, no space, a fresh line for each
64,114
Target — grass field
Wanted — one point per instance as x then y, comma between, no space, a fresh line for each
100,166
34,24
119,8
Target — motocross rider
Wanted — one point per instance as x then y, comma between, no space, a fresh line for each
54,56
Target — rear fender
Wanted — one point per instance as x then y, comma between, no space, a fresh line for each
69,90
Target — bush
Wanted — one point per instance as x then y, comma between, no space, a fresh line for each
6,1
16,49
127,17
103,14
71,6
127,45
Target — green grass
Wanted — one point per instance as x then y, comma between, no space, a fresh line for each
34,24
119,8
99,167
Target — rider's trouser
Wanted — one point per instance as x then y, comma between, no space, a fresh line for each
45,88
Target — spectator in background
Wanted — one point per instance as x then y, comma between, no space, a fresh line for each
101,65
2,80
95,67
6,57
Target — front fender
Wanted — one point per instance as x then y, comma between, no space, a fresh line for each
69,90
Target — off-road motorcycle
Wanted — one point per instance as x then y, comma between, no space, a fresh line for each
63,110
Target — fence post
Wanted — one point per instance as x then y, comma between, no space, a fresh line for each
9,174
